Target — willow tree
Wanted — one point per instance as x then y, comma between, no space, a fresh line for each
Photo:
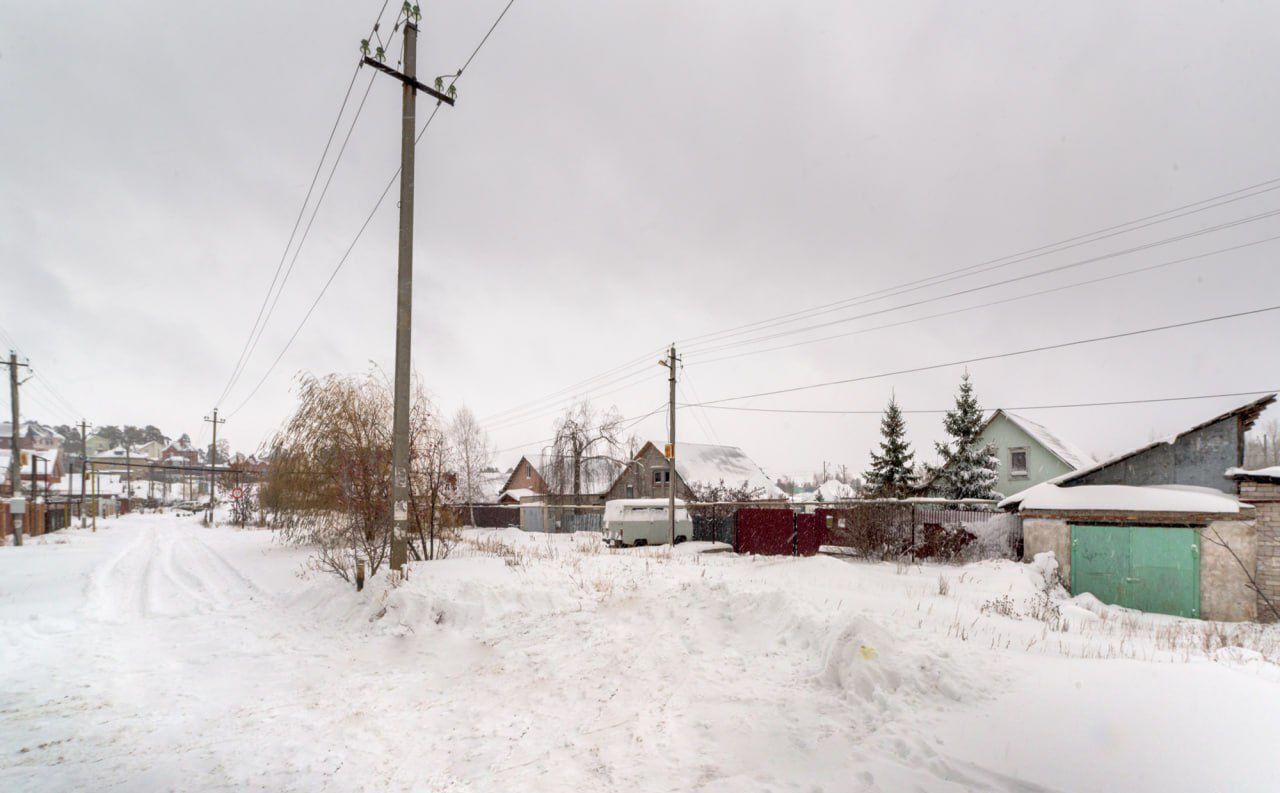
329,478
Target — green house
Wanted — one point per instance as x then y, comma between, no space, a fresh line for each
1029,452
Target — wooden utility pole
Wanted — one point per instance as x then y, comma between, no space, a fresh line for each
84,464
15,458
404,283
671,363
213,460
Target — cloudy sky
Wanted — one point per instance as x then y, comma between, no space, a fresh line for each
618,176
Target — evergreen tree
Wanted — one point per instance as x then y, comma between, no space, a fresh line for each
969,470
890,475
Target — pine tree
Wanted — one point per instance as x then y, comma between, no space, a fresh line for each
969,470
890,475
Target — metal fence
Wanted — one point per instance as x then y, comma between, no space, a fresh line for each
934,530
553,519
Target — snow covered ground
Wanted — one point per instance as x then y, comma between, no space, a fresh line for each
159,655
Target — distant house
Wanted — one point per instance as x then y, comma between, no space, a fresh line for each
523,481
151,450
96,445
1196,456
698,466
181,449
31,435
829,491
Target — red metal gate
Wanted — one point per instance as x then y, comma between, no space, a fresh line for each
768,532
810,534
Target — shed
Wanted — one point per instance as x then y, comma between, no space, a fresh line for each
1170,549
1195,456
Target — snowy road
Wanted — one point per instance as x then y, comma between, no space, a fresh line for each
159,655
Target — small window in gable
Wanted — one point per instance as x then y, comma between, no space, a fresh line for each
1018,463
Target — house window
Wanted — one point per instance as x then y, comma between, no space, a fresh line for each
631,491
661,477
1017,463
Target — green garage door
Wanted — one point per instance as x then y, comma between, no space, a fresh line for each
1139,567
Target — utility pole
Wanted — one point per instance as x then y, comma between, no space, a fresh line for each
671,363
128,477
84,464
213,460
404,277
15,458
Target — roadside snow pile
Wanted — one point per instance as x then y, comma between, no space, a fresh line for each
870,665
481,594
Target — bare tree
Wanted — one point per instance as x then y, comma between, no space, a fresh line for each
474,452
587,447
1262,445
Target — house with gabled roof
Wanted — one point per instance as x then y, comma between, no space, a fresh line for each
524,481
698,466
1029,453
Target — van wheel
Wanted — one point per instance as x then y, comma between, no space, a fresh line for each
641,543
681,538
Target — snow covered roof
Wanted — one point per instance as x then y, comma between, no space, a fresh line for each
1066,452
830,490
30,429
517,493
1248,414
49,456
708,464
1271,474
1123,498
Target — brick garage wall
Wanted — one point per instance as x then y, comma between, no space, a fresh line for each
1265,498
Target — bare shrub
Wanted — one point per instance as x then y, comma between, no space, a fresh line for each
1001,606
944,585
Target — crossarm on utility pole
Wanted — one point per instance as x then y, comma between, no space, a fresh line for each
407,80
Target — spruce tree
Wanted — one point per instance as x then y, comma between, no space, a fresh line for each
969,469
890,475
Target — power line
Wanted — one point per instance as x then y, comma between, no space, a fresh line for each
980,358
242,360
629,381
633,363
1060,406
989,304
1059,268
633,422
302,241
342,261
1239,195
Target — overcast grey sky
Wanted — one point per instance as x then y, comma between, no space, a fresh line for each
616,176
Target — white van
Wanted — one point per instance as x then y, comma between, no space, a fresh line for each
644,521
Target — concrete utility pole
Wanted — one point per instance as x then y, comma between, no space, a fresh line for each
213,460
404,283
15,458
671,363
84,464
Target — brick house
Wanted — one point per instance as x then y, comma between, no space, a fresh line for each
523,481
